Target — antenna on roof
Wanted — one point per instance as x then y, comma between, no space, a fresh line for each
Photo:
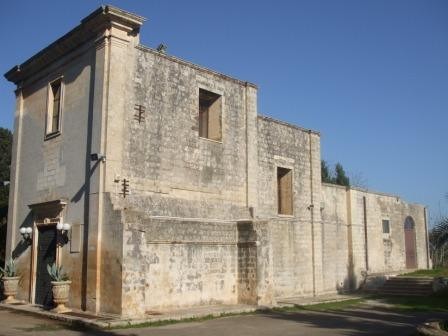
162,48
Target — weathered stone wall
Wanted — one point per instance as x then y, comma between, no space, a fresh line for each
173,262
172,171
295,239
387,252
348,256
51,169
335,239
186,193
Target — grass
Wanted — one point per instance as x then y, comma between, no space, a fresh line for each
435,302
184,320
43,327
436,272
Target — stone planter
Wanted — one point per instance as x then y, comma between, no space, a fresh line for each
10,286
61,290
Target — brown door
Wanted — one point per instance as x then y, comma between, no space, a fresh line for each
409,243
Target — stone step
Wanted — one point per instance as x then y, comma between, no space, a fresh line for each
393,285
394,293
407,286
404,279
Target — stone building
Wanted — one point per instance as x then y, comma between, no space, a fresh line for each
177,192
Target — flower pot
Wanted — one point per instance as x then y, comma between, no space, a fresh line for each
10,286
61,290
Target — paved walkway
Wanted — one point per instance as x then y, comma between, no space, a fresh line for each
364,320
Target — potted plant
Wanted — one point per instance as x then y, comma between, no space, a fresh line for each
10,280
61,287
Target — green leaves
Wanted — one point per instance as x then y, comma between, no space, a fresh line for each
336,176
57,273
9,270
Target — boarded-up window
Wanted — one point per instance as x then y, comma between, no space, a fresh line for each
284,191
210,108
386,226
54,107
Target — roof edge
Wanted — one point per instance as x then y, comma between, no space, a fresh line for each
88,28
284,123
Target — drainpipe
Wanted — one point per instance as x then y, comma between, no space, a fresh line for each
311,209
425,216
364,203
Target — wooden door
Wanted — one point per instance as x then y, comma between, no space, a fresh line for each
409,243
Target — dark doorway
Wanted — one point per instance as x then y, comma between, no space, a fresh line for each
409,243
46,254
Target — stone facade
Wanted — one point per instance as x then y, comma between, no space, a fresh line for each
169,219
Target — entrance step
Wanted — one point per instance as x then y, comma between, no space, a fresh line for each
407,286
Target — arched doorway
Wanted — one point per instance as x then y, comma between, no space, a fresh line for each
409,243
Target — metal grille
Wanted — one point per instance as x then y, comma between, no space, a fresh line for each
46,254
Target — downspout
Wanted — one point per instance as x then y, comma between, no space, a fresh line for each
311,209
366,247
247,145
425,215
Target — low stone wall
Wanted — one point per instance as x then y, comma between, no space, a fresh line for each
175,262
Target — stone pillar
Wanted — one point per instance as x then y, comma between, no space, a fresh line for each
252,148
117,34
265,265
12,233
314,209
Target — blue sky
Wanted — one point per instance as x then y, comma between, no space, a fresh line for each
371,76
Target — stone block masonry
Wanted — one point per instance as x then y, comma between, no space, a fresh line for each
198,200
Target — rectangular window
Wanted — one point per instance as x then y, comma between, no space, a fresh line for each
386,226
54,108
210,110
284,191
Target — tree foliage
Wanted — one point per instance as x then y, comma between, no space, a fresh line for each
334,176
5,163
438,239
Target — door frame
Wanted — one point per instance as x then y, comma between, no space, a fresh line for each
39,212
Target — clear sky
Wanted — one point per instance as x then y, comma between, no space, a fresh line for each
371,76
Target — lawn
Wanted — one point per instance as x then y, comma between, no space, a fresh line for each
436,272
435,302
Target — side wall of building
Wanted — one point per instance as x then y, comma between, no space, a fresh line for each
296,238
52,169
187,194
353,238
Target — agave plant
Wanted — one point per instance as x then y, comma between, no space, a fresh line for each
57,273
9,270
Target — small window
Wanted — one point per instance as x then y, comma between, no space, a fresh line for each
386,226
284,191
54,108
210,115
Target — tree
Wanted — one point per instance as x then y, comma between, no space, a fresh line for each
334,176
438,238
325,172
5,163
341,178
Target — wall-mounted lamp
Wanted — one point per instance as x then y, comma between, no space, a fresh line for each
27,234
97,157
63,233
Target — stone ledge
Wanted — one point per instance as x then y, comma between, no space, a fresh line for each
113,321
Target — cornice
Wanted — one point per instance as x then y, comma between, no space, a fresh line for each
90,28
